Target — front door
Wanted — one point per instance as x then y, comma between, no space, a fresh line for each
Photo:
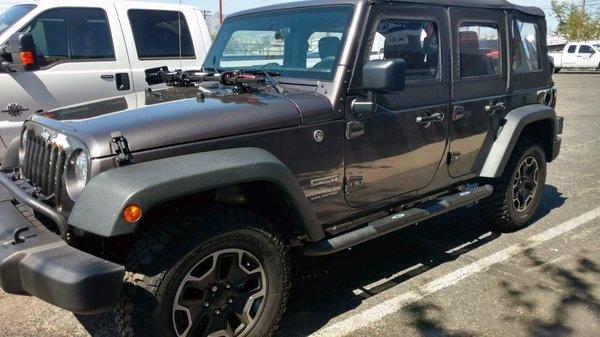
81,51
397,154
479,86
586,57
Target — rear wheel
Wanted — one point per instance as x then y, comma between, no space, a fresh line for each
517,193
557,70
216,273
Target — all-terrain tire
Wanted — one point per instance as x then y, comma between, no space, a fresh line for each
499,209
164,255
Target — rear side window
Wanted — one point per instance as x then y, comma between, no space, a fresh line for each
572,49
161,34
416,42
527,54
479,46
68,34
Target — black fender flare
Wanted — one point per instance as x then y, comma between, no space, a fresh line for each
516,121
99,208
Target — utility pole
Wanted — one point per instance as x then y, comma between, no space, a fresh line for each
582,20
206,14
221,11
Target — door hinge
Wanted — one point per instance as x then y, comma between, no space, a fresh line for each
354,129
453,157
120,147
352,183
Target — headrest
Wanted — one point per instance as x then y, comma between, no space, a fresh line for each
469,42
329,46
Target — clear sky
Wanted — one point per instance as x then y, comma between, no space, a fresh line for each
231,6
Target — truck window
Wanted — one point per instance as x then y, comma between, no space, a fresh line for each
526,42
572,49
414,41
585,49
65,34
157,34
479,46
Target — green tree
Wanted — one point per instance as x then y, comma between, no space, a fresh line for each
573,23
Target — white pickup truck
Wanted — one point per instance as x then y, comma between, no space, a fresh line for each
581,55
88,50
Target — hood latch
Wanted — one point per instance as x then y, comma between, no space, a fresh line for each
120,148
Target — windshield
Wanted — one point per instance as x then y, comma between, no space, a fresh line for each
12,15
304,43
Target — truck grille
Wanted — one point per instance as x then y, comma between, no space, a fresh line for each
44,165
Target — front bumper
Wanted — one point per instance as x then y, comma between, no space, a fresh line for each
36,262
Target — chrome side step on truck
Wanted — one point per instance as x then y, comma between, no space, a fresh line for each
396,221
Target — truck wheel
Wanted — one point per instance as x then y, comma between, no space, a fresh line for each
517,193
557,70
221,272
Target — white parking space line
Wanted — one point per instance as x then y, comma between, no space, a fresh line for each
376,313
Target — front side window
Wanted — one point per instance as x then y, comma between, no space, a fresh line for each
479,46
68,34
527,57
585,49
161,34
302,43
416,42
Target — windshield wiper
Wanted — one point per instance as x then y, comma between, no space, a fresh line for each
269,79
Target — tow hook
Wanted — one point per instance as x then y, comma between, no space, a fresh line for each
17,238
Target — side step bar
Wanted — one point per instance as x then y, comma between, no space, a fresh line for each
396,221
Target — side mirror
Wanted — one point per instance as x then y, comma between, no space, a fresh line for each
24,53
380,77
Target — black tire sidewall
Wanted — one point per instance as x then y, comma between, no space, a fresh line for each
252,241
521,218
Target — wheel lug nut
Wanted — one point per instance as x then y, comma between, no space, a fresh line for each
227,286
206,304
217,312
230,301
214,289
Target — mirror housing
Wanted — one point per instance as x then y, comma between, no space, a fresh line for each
379,77
384,76
21,47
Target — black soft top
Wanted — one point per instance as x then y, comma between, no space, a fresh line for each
493,4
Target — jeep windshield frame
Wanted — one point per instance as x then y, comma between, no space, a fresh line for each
14,14
286,42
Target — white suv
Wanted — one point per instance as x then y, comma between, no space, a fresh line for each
90,50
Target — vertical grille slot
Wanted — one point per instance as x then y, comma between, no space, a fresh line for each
44,165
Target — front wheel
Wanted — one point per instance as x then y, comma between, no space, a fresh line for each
518,192
217,273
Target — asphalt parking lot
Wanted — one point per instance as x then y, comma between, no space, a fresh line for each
446,277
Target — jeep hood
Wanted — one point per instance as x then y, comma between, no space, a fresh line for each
181,115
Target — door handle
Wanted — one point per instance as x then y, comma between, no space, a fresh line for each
107,77
123,83
493,108
437,117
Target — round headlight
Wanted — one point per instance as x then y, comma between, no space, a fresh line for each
77,173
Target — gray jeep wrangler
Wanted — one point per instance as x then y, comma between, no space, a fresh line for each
311,127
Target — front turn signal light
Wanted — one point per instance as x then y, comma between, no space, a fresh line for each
132,213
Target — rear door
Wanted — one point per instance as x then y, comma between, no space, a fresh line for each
397,154
83,58
570,56
479,86
162,36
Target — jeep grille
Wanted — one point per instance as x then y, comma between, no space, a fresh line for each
44,165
